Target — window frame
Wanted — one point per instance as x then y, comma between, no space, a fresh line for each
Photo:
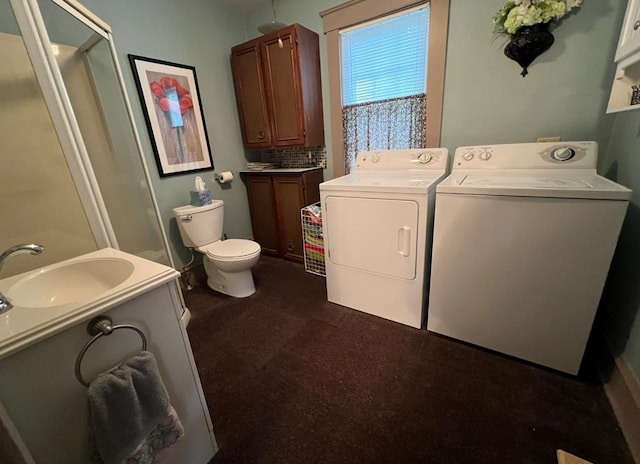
356,12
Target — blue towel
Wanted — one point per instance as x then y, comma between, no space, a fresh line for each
130,415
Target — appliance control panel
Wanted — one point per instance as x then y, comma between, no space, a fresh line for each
403,159
568,155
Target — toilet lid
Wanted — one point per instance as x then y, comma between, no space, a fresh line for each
232,248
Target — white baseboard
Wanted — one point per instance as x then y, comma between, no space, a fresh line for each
623,390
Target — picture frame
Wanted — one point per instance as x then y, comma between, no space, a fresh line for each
170,100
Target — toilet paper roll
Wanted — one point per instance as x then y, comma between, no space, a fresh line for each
225,177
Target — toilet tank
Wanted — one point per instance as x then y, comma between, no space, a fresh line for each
200,225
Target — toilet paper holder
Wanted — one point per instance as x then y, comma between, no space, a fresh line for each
223,177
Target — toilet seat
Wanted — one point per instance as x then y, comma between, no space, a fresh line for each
231,249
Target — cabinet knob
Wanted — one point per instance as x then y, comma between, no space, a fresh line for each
261,135
636,25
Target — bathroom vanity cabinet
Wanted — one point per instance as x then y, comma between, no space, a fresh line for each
278,90
48,405
275,199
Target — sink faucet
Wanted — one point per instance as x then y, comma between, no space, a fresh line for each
34,248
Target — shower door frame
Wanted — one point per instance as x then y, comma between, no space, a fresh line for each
38,45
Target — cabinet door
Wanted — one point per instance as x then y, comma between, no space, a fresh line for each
246,65
43,397
282,78
629,41
264,217
289,193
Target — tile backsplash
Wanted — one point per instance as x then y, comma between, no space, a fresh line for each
297,157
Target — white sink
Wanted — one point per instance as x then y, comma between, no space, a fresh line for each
71,282
57,297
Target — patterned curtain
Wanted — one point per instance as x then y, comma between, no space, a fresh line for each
383,125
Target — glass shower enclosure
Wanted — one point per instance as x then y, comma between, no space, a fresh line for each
72,174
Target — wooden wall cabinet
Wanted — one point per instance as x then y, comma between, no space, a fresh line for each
278,89
275,200
625,81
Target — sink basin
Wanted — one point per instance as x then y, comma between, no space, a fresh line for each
73,282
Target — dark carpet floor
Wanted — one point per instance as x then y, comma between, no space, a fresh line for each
290,378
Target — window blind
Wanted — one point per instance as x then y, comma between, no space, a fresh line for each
385,59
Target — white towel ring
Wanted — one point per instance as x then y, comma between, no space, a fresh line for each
99,326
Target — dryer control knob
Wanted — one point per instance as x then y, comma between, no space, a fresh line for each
485,155
375,157
424,158
468,156
563,154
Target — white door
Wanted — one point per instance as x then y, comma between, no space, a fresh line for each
372,234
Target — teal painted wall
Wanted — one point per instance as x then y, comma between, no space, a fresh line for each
486,100
199,33
620,306
566,91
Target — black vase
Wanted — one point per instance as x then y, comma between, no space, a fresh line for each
527,43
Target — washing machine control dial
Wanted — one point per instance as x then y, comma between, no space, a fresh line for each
424,158
375,157
563,154
485,154
468,156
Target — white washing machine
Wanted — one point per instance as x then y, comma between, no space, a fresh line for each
377,225
524,236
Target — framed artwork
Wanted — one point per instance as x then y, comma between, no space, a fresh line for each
171,105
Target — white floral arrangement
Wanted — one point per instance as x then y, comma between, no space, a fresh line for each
517,13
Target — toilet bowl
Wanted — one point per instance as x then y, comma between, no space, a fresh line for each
227,263
228,266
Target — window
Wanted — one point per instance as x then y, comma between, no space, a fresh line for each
384,79
385,58
386,74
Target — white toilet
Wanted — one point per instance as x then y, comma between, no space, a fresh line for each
227,263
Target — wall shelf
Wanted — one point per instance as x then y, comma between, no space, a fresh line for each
627,75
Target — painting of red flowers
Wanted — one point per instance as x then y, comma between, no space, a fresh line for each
171,102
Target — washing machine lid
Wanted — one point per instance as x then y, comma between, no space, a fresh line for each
232,248
419,182
535,184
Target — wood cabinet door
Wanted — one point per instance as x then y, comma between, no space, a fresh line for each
283,86
289,193
246,64
264,217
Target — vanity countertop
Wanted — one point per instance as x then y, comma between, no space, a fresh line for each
278,170
22,326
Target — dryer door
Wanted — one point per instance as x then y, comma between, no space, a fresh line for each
372,234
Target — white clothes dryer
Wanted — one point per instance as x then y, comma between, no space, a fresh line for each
524,235
377,226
